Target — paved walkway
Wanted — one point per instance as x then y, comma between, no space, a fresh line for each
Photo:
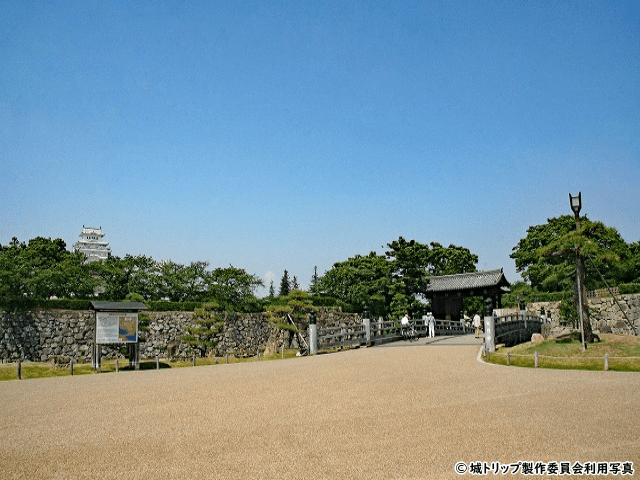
369,413
440,341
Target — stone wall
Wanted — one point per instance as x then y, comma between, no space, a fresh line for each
606,316
43,335
58,335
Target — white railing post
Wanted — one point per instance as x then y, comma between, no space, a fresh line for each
367,326
313,334
489,326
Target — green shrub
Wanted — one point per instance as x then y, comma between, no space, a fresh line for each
628,288
63,304
530,297
163,306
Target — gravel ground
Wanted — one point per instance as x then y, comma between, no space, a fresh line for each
377,413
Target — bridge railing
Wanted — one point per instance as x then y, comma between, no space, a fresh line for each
450,327
514,329
381,331
341,336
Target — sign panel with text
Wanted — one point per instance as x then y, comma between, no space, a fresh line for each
116,327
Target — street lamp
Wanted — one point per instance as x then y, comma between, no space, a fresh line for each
576,205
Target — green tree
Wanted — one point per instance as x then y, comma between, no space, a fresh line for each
359,281
400,302
410,261
131,274
285,284
544,273
294,307
395,282
234,289
41,269
546,257
553,254
451,260
272,290
568,313
414,263
208,324
12,273
634,264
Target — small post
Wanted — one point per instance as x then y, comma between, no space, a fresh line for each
489,328
283,350
523,310
258,353
117,368
96,356
313,334
71,366
508,358
19,369
606,362
194,360
134,356
535,358
227,356
157,362
367,325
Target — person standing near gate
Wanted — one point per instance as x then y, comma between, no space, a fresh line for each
432,325
476,323
404,324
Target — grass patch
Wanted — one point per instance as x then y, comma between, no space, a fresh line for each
623,351
33,370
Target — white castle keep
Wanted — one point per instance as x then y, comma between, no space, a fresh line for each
91,243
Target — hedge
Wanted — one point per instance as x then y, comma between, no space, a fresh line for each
629,288
512,299
164,306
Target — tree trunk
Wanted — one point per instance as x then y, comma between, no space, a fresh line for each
586,321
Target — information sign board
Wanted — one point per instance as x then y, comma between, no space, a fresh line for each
116,327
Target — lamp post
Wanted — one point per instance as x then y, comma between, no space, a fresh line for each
576,205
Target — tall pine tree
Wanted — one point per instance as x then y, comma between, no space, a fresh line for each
285,284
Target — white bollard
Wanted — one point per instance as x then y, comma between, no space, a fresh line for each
313,339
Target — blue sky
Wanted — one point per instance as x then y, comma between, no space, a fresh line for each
287,135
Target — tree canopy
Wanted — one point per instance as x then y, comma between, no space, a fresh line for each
358,281
44,268
41,268
285,285
546,257
393,283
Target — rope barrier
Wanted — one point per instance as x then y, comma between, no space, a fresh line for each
558,358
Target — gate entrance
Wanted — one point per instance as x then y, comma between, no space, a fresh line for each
447,292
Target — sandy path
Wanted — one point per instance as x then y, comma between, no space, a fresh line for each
372,413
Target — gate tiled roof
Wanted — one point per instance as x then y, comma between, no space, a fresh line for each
468,281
